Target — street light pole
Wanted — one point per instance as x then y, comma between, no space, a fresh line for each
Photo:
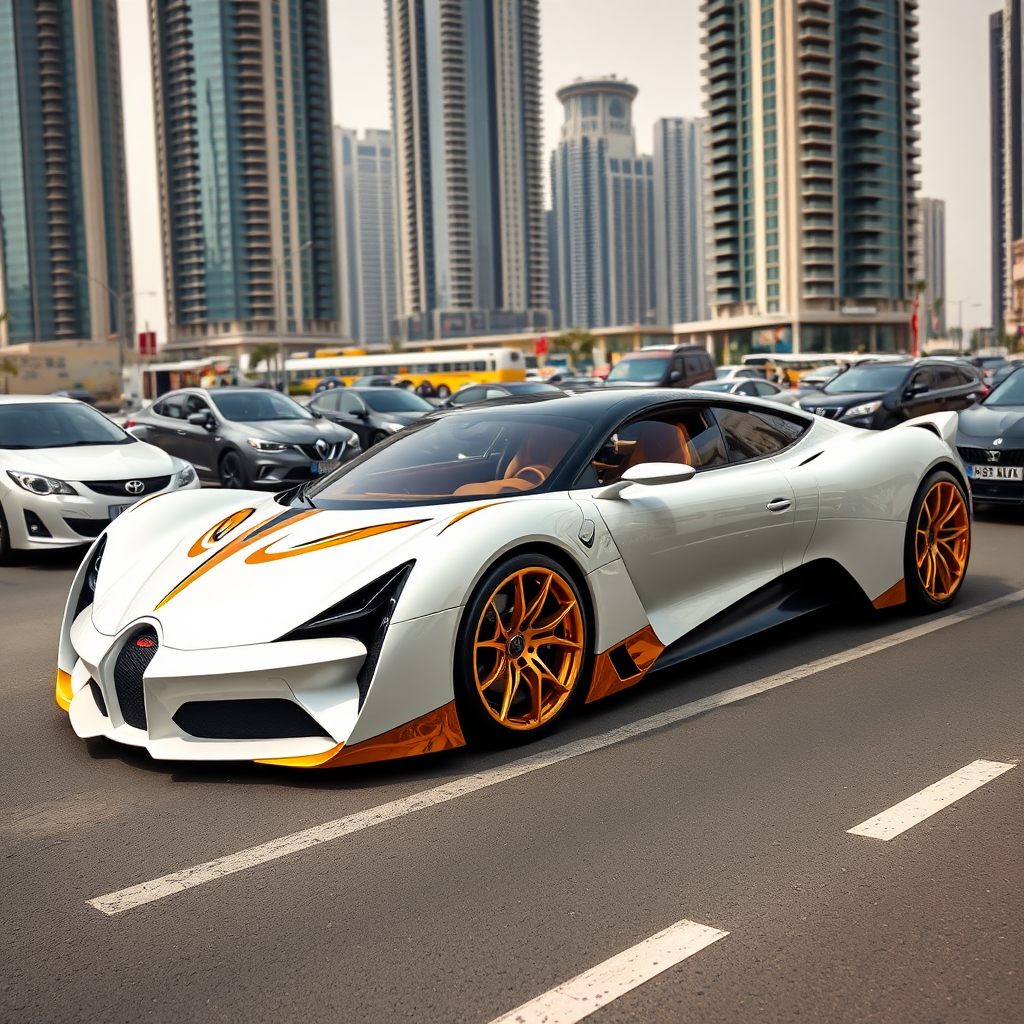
119,298
279,266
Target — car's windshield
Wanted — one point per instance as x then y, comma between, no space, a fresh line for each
253,406
394,400
868,378
1010,392
640,368
724,371
459,457
715,385
56,425
989,361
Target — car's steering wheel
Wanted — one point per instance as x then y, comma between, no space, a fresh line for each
527,471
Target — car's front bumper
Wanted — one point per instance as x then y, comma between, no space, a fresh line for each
278,470
208,689
37,522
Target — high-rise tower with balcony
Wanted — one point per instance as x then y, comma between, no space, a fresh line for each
242,94
62,182
812,148
465,94
603,197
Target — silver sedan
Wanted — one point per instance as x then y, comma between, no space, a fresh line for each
751,389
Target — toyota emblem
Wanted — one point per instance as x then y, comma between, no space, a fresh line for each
134,487
322,447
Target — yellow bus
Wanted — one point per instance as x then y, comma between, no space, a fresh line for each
443,372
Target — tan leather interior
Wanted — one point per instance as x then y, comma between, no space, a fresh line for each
661,442
540,452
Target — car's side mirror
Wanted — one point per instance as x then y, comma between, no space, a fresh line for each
649,474
674,376
917,388
202,419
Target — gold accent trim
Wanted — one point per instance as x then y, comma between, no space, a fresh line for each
895,595
643,647
238,544
435,731
942,541
217,533
266,555
529,637
468,512
63,692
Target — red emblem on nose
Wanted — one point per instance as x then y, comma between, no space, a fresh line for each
143,641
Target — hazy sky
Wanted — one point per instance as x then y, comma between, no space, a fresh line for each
655,44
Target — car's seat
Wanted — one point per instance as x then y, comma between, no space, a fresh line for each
661,442
531,465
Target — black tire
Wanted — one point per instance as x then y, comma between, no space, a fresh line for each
425,390
443,391
934,572
6,551
376,437
231,471
485,722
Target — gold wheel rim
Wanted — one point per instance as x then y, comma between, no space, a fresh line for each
528,648
942,541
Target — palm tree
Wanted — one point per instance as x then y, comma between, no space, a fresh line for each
263,353
578,343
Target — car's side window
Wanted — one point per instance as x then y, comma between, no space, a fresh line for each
194,404
495,393
172,407
753,433
329,402
747,388
764,389
690,437
468,395
923,376
350,403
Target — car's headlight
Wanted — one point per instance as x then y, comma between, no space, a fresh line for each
267,446
185,476
40,484
862,410
394,428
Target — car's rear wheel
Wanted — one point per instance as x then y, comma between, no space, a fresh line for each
938,543
231,471
522,651
377,437
443,391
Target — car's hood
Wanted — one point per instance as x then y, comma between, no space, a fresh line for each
92,462
294,431
821,398
223,568
984,422
402,417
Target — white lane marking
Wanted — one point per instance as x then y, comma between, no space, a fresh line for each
910,812
587,992
188,878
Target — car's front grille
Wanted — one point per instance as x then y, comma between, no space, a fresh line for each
131,664
262,718
120,488
333,452
1004,456
87,527
827,412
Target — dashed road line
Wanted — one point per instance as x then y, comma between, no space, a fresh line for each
589,991
915,809
200,874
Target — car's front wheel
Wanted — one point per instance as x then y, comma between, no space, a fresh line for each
938,542
522,651
231,471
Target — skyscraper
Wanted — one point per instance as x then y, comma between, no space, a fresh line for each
1006,154
243,119
62,184
603,197
931,262
813,136
367,252
465,94
679,219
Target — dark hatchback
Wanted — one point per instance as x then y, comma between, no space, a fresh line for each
372,412
991,443
881,395
473,394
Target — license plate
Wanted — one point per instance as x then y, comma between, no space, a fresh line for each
113,511
322,468
996,472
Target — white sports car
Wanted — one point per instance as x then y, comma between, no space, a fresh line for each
480,573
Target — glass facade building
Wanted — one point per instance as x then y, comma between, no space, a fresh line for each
812,141
62,182
244,150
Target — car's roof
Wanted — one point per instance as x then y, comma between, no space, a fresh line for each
25,399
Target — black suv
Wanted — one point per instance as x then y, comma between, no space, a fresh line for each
681,366
880,395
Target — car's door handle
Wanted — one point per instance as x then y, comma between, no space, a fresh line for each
184,433
778,504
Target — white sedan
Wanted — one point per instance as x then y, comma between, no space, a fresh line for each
66,471
751,389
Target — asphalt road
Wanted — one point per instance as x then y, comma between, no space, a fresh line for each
735,818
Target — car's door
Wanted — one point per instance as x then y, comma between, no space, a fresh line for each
192,442
694,548
955,392
922,395
164,420
352,413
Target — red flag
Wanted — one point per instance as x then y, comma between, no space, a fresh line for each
915,327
